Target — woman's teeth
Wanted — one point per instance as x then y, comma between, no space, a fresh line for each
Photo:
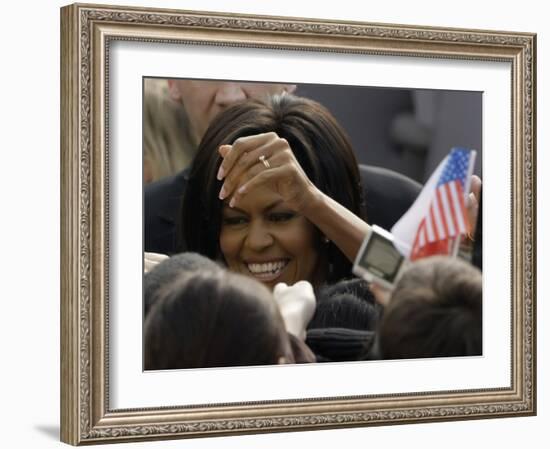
268,268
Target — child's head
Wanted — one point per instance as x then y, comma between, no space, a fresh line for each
213,319
163,274
434,311
347,304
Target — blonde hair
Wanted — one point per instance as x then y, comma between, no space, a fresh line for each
168,146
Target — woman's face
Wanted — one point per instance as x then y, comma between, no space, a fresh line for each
264,239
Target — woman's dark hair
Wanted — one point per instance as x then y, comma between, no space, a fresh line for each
435,311
214,319
319,144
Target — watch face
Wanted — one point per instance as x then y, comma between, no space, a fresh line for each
381,258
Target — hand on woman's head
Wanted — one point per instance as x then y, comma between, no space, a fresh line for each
264,160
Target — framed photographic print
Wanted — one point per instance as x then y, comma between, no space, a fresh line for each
398,91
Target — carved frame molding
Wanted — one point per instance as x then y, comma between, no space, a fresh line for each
87,32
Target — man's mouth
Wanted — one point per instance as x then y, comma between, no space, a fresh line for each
267,271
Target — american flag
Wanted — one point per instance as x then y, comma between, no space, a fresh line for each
439,214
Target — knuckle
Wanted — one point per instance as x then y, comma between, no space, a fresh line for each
283,141
243,160
239,142
287,152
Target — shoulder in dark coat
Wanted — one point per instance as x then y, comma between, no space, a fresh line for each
161,208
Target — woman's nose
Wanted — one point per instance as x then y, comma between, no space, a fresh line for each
229,94
258,237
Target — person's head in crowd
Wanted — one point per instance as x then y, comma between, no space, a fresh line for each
344,323
167,271
214,319
346,304
203,99
262,234
435,310
167,147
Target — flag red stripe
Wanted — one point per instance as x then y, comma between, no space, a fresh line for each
459,201
434,223
462,206
415,246
452,208
447,211
441,211
425,232
429,229
440,227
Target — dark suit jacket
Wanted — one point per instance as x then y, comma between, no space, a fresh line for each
388,196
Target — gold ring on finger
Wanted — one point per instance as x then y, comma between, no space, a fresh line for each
264,161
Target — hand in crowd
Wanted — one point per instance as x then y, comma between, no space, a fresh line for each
472,204
381,294
297,306
263,160
150,260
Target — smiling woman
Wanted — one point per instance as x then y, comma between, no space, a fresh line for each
264,238
275,193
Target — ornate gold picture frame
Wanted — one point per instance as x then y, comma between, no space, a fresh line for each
87,35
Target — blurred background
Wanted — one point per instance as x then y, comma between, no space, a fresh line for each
409,131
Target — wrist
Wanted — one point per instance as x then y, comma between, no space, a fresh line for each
312,200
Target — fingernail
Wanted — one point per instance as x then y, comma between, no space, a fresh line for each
221,173
223,193
232,202
242,189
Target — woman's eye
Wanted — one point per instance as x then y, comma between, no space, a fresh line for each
281,216
234,221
